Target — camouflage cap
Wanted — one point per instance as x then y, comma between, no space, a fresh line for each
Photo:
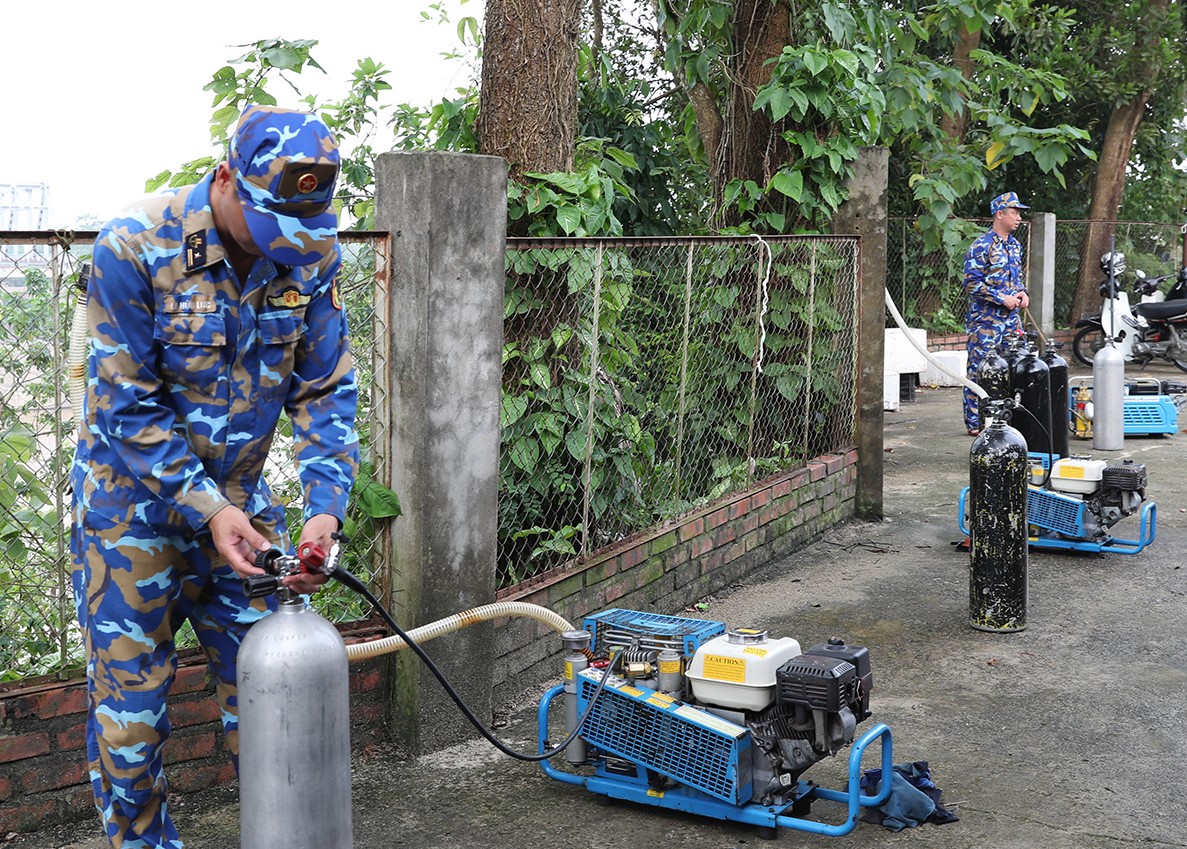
1009,199
286,164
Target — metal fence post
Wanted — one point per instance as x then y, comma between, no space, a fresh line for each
447,215
1041,273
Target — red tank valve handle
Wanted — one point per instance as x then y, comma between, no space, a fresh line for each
312,557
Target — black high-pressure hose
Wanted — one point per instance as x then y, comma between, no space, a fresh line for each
348,580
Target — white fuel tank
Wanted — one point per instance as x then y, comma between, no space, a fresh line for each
737,669
1077,474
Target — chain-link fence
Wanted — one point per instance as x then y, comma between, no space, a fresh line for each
642,378
1154,248
927,284
37,437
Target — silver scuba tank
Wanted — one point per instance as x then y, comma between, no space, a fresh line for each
294,732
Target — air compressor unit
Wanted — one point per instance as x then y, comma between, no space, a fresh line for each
690,715
1073,502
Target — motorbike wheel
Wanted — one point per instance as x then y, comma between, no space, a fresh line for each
1179,358
1087,342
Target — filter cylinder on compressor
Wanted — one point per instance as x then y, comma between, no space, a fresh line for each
294,733
993,375
1032,382
1060,402
575,642
1108,399
998,555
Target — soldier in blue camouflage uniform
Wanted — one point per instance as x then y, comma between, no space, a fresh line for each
997,293
212,309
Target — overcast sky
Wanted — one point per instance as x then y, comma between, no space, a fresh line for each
99,97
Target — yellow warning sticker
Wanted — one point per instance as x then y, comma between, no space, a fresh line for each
656,701
669,666
1069,471
568,670
659,794
719,668
756,651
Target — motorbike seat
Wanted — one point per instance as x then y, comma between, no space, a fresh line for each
1164,311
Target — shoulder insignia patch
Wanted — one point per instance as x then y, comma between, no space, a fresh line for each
289,298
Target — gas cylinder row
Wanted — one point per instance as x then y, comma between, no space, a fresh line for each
1040,383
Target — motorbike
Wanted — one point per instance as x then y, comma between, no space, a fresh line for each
1156,327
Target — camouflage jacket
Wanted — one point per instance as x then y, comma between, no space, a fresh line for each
187,378
992,271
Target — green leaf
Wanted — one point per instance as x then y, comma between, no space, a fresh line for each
789,183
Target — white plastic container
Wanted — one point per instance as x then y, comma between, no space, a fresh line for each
1077,474
737,669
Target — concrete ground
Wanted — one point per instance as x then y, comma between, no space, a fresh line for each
1068,735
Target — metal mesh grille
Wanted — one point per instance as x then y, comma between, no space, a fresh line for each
617,628
642,378
708,759
1053,512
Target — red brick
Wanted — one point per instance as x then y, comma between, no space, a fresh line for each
616,591
750,522
192,679
717,518
799,478
59,701
702,546
190,747
365,679
738,508
200,776
781,488
74,737
760,499
194,711
29,816
24,746
834,463
6,789
817,470
692,529
723,535
52,773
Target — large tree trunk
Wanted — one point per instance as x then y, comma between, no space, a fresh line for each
966,42
752,149
1107,192
528,112
1108,188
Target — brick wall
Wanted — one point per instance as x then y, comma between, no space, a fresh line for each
43,770
959,342
43,776
670,567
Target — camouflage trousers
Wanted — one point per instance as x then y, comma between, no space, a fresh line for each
133,589
984,337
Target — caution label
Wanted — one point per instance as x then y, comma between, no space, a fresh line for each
719,668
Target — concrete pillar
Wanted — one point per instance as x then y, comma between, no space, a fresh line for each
447,216
865,214
1040,281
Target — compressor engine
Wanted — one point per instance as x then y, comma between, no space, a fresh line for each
731,713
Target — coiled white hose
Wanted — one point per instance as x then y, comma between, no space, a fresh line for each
450,624
962,378
76,359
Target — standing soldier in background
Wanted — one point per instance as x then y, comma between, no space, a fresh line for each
997,294
212,310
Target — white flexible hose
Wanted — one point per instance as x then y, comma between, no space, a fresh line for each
76,360
961,378
498,610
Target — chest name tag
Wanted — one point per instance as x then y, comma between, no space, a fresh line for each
189,304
